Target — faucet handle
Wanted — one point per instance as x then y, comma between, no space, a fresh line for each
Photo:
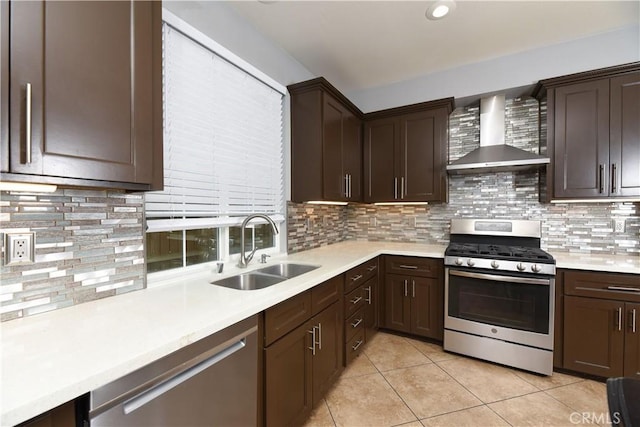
263,258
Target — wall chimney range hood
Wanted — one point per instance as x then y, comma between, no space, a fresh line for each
494,155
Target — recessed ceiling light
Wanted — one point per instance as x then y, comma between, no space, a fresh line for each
440,9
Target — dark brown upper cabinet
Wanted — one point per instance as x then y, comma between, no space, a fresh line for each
593,133
405,153
85,86
326,144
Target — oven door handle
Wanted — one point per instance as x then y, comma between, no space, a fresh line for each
510,279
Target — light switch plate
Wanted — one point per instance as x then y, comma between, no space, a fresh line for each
19,248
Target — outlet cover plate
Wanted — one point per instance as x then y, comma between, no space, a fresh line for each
618,225
19,248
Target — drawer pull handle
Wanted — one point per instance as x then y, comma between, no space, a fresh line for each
357,345
408,267
319,342
633,320
373,267
406,293
623,288
619,322
358,277
27,122
356,300
413,288
313,341
368,297
356,323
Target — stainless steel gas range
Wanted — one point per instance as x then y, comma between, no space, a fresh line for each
499,293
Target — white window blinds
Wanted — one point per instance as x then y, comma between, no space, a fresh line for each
223,140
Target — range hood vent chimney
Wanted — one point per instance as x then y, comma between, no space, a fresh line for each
494,155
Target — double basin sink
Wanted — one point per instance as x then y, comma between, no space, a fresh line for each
264,277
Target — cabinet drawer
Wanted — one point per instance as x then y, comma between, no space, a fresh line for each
286,316
354,324
624,287
414,266
326,293
360,274
354,346
353,301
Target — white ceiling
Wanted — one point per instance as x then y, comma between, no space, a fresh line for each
363,44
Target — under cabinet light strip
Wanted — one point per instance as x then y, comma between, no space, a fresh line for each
27,187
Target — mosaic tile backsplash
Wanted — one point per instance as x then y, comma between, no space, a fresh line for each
89,245
566,227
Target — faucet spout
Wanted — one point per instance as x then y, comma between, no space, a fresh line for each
246,259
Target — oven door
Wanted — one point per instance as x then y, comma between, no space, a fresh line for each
516,309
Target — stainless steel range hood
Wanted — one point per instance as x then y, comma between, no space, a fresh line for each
494,155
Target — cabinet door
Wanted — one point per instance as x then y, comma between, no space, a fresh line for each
421,151
581,153
288,391
371,308
327,362
352,154
82,61
397,303
427,307
380,179
625,135
593,336
632,341
333,175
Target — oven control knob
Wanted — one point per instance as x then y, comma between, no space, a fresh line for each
495,264
521,267
536,268
458,261
471,262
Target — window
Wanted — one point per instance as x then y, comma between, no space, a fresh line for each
223,154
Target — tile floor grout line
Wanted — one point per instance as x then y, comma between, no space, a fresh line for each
335,424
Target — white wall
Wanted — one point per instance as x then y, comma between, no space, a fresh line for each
522,69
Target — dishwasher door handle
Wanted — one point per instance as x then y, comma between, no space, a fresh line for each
158,390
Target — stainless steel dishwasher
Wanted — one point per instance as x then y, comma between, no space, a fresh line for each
212,382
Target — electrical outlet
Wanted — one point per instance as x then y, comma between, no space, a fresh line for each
618,225
19,248
373,222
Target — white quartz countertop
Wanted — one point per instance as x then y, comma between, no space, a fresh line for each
51,358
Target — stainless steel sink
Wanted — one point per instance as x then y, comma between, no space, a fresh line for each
287,270
264,277
249,281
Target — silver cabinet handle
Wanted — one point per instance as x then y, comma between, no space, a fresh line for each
408,267
368,297
413,288
619,310
395,188
373,267
406,293
356,323
346,185
402,188
357,345
356,277
613,178
623,288
313,341
350,186
601,178
156,391
356,300
633,321
27,122
319,342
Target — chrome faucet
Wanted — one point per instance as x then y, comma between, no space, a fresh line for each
246,259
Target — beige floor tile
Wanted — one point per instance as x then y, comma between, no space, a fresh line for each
435,352
472,417
487,381
585,396
411,424
430,391
537,409
367,401
544,382
388,352
320,417
359,366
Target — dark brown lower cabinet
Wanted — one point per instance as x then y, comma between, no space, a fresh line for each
302,364
62,416
601,337
414,305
